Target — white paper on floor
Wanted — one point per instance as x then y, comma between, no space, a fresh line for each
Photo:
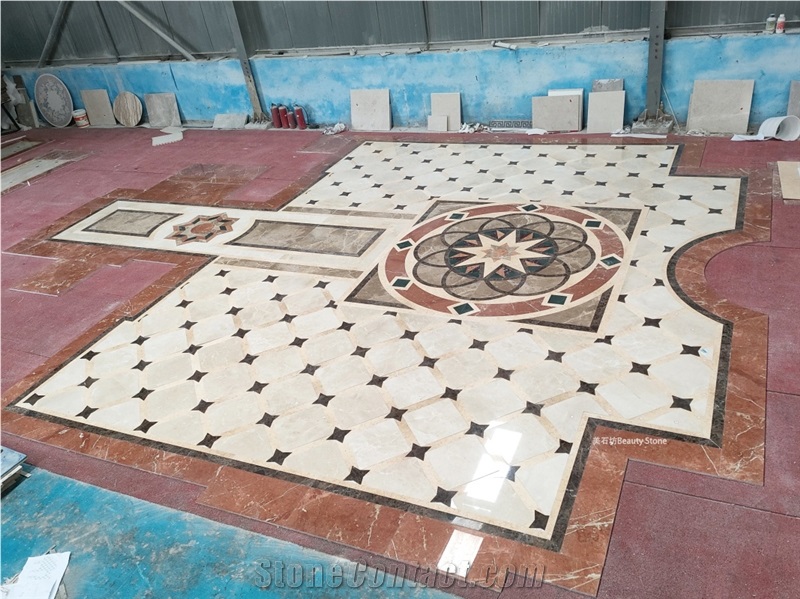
40,578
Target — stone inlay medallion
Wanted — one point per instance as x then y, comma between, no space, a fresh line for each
505,260
202,228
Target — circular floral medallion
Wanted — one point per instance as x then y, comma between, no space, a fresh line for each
53,100
505,260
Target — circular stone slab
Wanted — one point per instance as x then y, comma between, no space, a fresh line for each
128,109
53,100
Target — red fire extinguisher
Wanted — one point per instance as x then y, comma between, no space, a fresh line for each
290,117
301,117
276,117
284,116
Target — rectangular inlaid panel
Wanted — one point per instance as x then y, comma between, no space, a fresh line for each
315,239
348,242
138,223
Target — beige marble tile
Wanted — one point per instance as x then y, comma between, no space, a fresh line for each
232,414
231,381
405,478
218,355
343,374
495,496
328,346
376,443
491,401
466,369
324,461
435,422
634,396
545,381
301,428
463,461
106,363
393,356
250,445
519,439
121,416
275,364
289,394
358,405
316,323
412,387
165,372
185,430
568,415
541,480
164,403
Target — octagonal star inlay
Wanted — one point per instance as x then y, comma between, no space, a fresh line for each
202,228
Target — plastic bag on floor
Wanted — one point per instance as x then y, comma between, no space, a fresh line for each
337,128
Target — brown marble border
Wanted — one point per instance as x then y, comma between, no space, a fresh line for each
409,537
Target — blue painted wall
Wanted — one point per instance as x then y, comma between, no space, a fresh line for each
773,61
202,88
494,83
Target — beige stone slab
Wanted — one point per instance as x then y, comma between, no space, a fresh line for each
790,180
575,91
607,85
162,110
370,110
437,122
98,108
794,99
449,105
720,106
557,113
606,111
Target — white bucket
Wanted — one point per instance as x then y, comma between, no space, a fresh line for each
81,120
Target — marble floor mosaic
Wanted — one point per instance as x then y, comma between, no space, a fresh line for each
435,327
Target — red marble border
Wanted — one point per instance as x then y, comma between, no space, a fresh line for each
407,537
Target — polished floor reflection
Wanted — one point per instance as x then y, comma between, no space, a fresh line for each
452,361
408,348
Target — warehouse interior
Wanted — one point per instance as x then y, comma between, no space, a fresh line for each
400,299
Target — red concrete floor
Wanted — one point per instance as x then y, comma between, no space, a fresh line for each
676,533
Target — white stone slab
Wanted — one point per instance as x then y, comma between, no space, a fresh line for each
98,107
437,123
577,91
720,106
448,105
230,121
606,112
794,99
162,110
557,113
370,110
607,85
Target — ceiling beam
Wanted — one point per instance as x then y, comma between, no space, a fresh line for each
55,33
156,29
